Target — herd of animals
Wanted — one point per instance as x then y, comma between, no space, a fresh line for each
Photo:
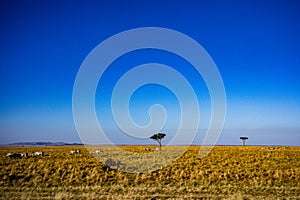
24,155
41,153
77,151
37,153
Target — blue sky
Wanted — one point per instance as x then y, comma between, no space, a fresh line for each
255,45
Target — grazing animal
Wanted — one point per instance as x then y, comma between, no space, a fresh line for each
75,151
271,148
13,155
157,149
114,164
147,149
25,155
97,151
17,155
38,153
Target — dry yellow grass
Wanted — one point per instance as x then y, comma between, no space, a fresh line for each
225,173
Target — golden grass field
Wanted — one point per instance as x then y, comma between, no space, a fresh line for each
227,172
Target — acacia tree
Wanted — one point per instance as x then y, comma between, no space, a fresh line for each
244,140
158,137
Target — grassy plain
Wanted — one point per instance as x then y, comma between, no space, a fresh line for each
227,172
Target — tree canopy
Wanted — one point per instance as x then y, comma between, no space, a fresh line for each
243,138
158,137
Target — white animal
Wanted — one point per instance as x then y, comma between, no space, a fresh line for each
75,151
9,154
25,155
147,149
157,149
97,151
38,153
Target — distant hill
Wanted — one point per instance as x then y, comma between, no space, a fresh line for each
42,144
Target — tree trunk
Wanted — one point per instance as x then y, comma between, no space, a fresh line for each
159,142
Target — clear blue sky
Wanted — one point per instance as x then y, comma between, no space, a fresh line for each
255,44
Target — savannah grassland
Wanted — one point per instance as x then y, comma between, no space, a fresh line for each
225,173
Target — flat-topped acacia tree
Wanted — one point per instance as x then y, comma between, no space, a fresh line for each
158,137
243,138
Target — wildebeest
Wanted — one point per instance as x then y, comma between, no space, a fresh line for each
114,164
38,153
75,151
17,155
